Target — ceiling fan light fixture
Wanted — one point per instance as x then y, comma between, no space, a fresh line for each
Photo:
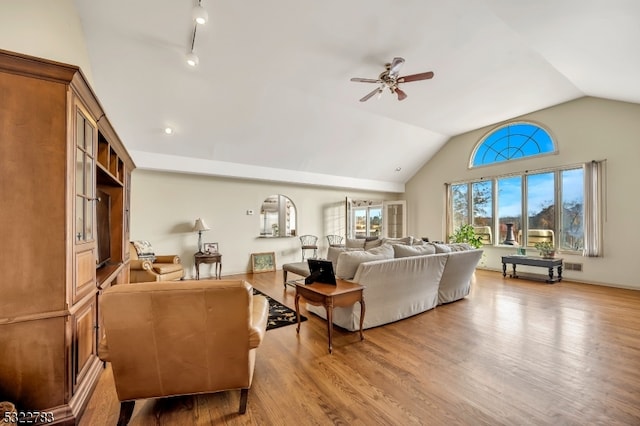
192,59
200,15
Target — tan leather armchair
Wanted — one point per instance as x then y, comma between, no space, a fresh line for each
163,268
180,338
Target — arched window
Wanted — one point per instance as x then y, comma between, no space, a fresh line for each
512,141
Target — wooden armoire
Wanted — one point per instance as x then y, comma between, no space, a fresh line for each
59,158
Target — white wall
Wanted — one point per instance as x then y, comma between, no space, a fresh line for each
49,29
586,129
164,207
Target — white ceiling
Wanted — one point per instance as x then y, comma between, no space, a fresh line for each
271,97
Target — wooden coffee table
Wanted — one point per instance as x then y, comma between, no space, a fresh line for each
343,294
549,264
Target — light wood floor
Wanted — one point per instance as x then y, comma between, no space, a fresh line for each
514,352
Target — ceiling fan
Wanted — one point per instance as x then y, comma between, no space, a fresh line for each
389,78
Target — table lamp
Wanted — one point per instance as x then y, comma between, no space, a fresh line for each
200,226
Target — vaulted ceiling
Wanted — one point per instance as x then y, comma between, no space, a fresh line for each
272,98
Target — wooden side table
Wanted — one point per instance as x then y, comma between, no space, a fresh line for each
215,258
345,293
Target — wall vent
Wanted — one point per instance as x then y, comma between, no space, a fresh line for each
568,266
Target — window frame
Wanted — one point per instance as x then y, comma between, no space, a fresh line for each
486,137
524,213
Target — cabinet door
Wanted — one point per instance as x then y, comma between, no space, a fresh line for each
395,219
85,191
83,347
85,185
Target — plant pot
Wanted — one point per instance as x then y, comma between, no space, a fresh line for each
548,254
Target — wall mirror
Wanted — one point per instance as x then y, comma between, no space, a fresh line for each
277,217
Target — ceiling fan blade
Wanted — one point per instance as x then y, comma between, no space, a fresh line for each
371,94
366,80
396,64
401,95
415,77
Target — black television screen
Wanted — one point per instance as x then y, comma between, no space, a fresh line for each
103,227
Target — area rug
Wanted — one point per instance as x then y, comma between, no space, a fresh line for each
279,314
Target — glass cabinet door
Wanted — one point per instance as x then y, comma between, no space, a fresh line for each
85,172
395,219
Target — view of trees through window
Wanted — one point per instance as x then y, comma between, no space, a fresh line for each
532,196
368,221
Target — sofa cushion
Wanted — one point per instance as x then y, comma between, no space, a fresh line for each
460,246
402,250
441,248
355,243
369,244
348,261
334,252
167,268
404,240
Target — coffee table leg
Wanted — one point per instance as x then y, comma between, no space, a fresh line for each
362,310
329,307
560,273
551,274
297,300
504,269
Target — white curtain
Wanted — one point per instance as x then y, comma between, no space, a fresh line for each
449,209
594,205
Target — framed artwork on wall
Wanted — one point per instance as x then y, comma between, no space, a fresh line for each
263,262
210,248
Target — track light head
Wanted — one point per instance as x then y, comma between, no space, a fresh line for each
192,59
200,15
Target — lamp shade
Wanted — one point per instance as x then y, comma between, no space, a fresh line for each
200,226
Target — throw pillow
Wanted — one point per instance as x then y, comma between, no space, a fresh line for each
334,252
369,244
355,243
349,261
460,246
441,248
144,250
404,240
402,250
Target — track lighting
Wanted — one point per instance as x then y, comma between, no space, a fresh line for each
199,14
200,17
192,59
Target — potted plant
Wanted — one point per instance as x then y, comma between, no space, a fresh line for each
546,249
466,234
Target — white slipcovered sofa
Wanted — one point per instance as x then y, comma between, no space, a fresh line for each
401,280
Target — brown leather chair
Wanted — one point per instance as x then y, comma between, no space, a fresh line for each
155,267
181,338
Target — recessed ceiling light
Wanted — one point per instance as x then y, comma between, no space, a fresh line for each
168,130
398,169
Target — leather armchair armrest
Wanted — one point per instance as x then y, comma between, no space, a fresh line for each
259,318
142,265
103,350
168,258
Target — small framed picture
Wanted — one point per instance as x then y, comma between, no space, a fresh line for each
210,248
263,262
